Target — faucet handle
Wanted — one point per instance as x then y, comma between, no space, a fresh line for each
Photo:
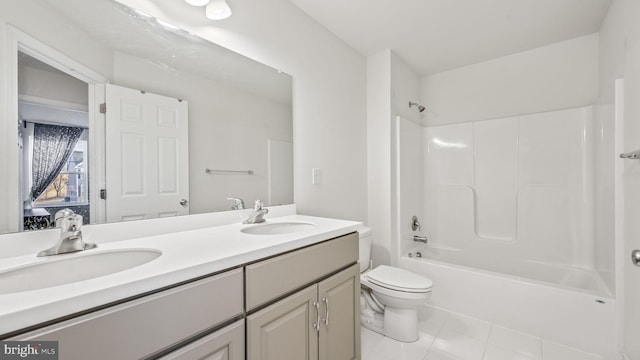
70,223
64,213
76,222
238,203
257,205
415,223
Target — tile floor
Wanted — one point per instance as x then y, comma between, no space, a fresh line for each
451,336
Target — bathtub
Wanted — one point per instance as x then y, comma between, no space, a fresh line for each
561,304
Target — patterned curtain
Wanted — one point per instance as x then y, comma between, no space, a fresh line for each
52,146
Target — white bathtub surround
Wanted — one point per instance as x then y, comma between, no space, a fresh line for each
560,314
447,335
186,254
508,208
521,187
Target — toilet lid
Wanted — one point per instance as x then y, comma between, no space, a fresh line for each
399,279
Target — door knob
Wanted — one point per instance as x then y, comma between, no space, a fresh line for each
635,257
184,202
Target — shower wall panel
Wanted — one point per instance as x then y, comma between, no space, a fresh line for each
496,178
518,186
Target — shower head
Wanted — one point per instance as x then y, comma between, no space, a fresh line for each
420,107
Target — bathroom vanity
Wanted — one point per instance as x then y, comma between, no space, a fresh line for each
290,295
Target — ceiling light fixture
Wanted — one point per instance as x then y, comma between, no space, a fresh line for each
218,10
197,2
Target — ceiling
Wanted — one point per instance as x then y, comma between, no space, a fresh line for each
437,35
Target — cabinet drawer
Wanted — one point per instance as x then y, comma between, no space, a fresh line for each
272,278
144,326
224,344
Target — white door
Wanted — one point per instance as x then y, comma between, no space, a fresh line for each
147,160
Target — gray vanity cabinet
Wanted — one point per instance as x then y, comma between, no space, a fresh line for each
317,310
148,325
339,334
320,322
303,304
284,330
224,344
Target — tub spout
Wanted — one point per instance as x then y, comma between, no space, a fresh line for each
422,239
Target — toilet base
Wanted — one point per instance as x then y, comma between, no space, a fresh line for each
372,320
401,324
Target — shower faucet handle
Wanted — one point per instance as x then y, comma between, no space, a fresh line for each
415,224
635,257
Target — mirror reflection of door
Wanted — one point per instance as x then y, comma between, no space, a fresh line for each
147,155
53,130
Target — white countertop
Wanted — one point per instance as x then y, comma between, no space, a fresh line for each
185,255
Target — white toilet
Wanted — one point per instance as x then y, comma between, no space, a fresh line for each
389,296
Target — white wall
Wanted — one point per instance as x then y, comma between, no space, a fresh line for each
410,181
407,170
391,84
52,85
405,87
379,155
557,76
620,58
328,100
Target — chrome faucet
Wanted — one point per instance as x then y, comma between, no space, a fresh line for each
238,203
257,214
422,239
70,240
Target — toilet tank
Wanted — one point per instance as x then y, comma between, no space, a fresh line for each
364,235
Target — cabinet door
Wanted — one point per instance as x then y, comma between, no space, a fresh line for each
285,330
224,344
339,298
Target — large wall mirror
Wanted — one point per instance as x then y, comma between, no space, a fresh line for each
187,124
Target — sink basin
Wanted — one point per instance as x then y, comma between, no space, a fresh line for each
66,269
278,228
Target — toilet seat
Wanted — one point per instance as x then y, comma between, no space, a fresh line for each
397,279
